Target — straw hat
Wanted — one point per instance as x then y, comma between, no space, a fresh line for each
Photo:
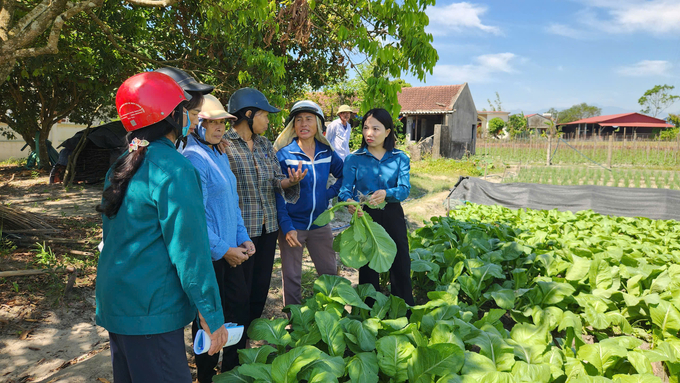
345,108
212,109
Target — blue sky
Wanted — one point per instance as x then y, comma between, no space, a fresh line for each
542,54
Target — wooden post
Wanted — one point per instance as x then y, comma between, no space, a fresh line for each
609,150
547,159
436,141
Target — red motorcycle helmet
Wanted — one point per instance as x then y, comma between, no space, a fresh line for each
147,98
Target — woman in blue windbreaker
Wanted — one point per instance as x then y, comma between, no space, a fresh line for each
301,142
383,172
230,245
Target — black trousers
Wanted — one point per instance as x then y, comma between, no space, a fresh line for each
263,262
392,220
149,358
233,283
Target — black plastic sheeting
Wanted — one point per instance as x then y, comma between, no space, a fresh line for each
107,136
614,201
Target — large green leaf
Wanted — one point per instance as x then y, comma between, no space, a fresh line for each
579,269
640,378
286,367
436,360
549,293
331,333
666,317
494,347
232,376
271,330
525,372
362,336
393,354
529,342
363,368
255,355
385,248
259,371
601,357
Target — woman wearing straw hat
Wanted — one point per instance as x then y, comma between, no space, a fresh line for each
230,245
154,270
259,179
301,143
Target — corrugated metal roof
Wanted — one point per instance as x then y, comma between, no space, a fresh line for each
638,124
429,99
623,119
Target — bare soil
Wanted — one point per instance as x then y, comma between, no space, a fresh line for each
49,336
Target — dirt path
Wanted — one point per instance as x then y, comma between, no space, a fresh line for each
43,341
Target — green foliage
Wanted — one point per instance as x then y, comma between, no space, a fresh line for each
578,112
364,242
78,82
496,105
657,99
517,124
496,126
511,295
283,48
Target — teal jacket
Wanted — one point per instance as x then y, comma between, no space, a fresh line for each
155,268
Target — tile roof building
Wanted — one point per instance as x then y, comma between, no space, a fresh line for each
449,105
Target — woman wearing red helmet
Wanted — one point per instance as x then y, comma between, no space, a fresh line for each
155,272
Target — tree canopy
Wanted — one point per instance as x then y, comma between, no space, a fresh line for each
496,126
280,47
657,99
578,112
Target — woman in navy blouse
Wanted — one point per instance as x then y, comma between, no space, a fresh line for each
382,171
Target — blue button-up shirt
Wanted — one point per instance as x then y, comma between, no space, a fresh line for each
365,174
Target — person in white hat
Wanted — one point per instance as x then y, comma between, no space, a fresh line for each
230,244
339,132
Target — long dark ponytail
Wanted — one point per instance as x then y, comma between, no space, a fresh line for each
127,165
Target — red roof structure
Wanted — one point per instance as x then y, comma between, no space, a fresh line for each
624,120
529,115
429,99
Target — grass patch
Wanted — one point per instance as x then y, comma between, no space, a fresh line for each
13,161
447,167
421,185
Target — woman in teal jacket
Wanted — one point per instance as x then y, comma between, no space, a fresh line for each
154,274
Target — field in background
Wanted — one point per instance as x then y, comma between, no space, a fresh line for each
533,150
581,175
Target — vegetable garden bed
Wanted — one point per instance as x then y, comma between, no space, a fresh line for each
512,296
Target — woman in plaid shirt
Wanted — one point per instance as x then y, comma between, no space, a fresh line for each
258,177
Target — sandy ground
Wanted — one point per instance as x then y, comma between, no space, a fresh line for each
63,344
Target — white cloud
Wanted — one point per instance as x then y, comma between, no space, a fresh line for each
647,68
658,17
482,70
458,17
565,30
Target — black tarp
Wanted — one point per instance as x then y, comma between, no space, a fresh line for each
107,136
624,202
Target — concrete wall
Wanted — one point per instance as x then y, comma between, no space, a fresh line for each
537,122
59,133
460,134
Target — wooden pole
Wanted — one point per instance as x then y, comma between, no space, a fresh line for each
609,151
23,273
436,141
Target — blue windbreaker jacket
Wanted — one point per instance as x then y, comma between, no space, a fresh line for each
314,195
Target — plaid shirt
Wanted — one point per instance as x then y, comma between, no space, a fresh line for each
258,176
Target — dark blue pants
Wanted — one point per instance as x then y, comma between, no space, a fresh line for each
149,358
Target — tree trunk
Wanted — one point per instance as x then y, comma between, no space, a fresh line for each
5,70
